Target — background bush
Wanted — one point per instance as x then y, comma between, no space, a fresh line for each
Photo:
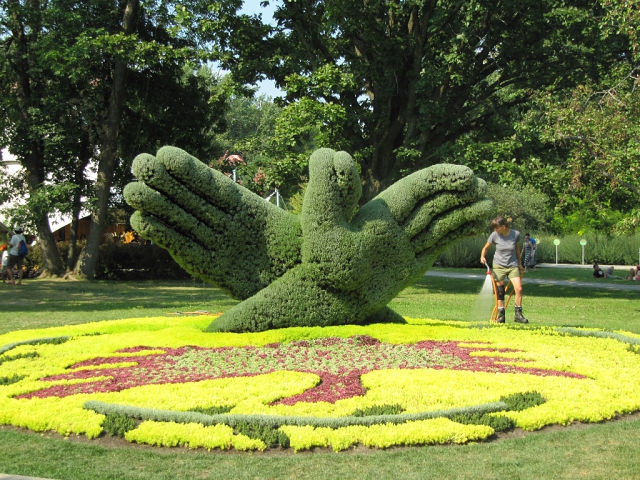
137,262
604,249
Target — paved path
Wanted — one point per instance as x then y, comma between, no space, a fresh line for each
607,285
4,476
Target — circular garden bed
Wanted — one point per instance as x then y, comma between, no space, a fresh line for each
162,381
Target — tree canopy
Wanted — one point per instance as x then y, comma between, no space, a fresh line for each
399,82
542,92
405,84
95,82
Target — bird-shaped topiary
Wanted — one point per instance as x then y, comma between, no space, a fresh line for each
335,263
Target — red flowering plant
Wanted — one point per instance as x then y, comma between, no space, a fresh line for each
339,364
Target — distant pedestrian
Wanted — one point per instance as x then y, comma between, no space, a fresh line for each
16,257
528,248
5,261
506,264
534,249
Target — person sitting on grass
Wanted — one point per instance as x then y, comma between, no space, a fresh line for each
597,271
608,272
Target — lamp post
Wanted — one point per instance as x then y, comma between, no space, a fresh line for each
556,242
583,242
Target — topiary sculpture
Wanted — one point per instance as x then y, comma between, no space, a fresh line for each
333,264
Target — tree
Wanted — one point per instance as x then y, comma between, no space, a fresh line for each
23,93
250,127
523,203
595,134
72,73
578,145
398,82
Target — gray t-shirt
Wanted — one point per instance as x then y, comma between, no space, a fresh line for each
505,255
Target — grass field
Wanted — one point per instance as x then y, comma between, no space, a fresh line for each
601,451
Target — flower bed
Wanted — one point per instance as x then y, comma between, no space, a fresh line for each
162,381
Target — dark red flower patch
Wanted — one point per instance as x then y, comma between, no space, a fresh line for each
339,362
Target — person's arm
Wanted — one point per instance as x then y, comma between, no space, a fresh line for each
519,254
483,258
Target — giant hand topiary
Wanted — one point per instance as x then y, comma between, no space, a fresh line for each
333,264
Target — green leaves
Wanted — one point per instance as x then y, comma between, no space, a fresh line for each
336,263
117,424
354,261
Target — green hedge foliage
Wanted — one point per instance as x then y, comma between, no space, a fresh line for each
134,261
355,261
333,264
215,229
137,262
12,379
499,423
600,248
117,424
523,400
270,435
378,410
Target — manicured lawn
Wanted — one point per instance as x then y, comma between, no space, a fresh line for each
593,451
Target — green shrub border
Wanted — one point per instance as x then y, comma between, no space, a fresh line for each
233,420
574,332
122,418
12,379
35,341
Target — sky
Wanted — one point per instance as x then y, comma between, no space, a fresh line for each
253,7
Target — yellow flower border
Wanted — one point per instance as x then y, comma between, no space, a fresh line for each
610,365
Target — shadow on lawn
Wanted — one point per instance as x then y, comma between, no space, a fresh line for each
77,296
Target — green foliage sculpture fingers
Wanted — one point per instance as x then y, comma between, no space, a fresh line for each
334,264
353,261
214,228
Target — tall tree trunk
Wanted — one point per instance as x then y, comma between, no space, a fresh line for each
29,98
51,259
109,155
72,250
84,157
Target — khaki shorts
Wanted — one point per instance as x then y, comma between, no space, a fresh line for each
502,273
